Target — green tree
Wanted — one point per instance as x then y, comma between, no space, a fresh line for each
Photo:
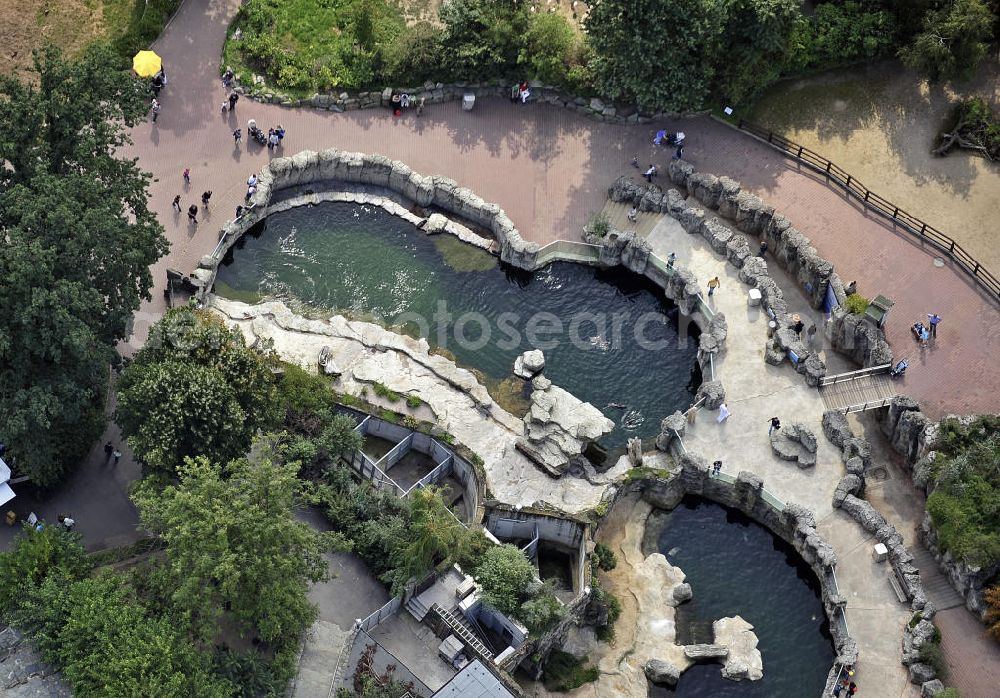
754,44
233,541
551,49
434,535
506,577
34,556
954,40
106,645
656,54
78,243
483,37
194,389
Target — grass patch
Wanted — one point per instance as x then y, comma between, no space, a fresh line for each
385,392
413,402
564,671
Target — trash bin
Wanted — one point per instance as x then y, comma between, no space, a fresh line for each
772,327
468,101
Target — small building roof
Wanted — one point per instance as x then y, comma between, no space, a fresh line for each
474,681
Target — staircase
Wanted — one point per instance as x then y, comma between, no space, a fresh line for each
939,590
416,608
462,632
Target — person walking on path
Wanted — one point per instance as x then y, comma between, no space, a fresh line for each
633,214
187,175
205,197
193,213
117,455
251,190
716,468
934,320
650,173
108,448
763,248
155,109
712,285
679,153
66,521
234,97
671,258
775,425
237,137
177,203
723,413
420,106
252,180
811,335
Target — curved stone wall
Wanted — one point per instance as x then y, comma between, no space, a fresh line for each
792,523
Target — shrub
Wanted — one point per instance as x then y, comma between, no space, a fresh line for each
414,55
605,557
564,671
963,506
383,391
856,304
483,37
992,597
839,34
931,654
599,224
505,575
552,50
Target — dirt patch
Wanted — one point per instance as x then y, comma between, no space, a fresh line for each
30,24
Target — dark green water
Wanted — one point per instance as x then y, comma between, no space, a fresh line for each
735,566
365,262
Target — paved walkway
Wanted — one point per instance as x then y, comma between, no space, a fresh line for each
549,169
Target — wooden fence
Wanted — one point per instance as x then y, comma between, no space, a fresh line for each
908,222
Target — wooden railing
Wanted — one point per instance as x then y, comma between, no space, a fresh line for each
908,222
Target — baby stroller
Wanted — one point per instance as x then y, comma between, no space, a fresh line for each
257,134
668,139
899,369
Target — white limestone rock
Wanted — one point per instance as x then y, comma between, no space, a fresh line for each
558,426
529,364
744,660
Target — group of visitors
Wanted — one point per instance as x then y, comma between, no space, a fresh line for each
662,138
402,101
922,332
520,92
272,139
192,213
251,187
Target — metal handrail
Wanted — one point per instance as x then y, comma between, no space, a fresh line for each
854,375
882,206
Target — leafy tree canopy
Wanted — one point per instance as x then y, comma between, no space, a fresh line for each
106,644
483,37
506,576
955,38
656,54
79,240
194,389
232,540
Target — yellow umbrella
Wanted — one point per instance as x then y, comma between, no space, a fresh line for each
146,64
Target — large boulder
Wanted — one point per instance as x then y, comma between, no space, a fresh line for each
661,672
743,660
714,394
558,427
921,673
529,364
836,427
795,443
931,688
682,593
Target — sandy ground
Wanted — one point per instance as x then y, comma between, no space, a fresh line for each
880,123
28,24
